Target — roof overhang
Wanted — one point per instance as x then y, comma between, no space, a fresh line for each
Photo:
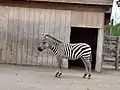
88,2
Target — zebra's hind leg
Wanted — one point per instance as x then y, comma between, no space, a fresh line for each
87,63
86,68
89,68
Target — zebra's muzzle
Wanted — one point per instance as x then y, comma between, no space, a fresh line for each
40,49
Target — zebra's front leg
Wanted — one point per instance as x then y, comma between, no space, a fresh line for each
59,71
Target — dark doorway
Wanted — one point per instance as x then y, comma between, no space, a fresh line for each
84,35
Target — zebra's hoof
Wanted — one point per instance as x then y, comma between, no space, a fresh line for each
84,75
56,75
60,75
89,76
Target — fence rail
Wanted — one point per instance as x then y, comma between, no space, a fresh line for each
111,50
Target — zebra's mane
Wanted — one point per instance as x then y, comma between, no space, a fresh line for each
53,38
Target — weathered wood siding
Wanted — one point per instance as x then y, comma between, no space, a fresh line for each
87,19
21,28
3,29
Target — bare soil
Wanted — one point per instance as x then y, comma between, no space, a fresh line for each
14,77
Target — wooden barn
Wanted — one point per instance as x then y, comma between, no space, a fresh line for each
71,21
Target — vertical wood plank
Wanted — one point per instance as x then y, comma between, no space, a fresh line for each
21,33
3,29
1,33
90,19
41,31
57,24
6,30
31,23
45,32
23,36
16,33
4,52
100,19
56,30
39,55
30,30
10,48
49,21
0,39
51,32
26,36
62,28
95,21
81,19
77,18
16,29
11,29
33,37
54,59
46,18
117,54
36,36
85,15
67,33
68,26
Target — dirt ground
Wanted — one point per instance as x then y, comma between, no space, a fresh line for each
42,78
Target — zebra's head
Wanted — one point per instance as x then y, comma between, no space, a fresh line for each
47,41
43,43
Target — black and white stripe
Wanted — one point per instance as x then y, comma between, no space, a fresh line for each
69,51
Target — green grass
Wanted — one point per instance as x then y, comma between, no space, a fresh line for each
112,30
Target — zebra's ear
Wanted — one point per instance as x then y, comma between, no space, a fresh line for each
42,35
45,35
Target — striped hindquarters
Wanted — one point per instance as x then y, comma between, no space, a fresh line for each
75,51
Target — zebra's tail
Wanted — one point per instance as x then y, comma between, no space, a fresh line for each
91,58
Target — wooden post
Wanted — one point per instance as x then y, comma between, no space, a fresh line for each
117,54
99,51
1,55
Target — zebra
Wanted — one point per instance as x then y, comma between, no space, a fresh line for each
70,51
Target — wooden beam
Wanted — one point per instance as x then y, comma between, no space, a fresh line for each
92,2
117,54
50,5
99,52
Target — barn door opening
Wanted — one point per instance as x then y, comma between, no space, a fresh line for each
84,35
